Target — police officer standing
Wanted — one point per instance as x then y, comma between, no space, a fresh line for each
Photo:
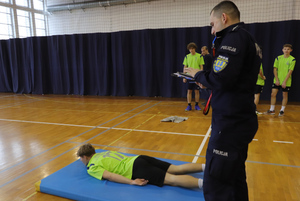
234,123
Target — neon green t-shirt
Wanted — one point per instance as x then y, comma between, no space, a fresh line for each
193,61
260,81
283,66
111,161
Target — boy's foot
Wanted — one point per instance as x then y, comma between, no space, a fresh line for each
281,113
271,112
189,108
257,112
197,107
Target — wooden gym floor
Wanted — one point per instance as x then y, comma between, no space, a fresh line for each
41,134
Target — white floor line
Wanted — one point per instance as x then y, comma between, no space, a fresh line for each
202,145
126,129
285,142
37,122
164,132
255,140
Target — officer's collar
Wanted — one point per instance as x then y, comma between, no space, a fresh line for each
229,29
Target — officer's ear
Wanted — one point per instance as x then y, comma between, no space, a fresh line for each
224,18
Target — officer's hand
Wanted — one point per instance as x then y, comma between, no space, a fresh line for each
184,80
277,83
201,85
191,71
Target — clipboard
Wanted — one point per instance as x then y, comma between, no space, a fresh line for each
183,75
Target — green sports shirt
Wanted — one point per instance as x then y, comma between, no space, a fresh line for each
283,66
193,61
111,161
260,81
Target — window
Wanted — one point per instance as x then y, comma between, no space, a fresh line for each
5,1
22,3
40,24
22,18
5,23
24,23
38,4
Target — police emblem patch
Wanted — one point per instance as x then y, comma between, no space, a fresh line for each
220,63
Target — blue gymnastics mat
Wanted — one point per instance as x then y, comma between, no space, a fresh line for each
73,182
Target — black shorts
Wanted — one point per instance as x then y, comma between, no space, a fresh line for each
151,169
258,89
192,85
287,89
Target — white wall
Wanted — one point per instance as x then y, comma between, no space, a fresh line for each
163,14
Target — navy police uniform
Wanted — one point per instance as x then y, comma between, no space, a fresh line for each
234,122
207,62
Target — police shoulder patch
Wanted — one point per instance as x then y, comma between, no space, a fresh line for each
220,63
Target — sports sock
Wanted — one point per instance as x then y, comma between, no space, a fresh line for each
203,167
189,104
272,107
282,108
196,103
200,183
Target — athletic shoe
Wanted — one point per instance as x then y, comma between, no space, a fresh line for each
257,112
281,113
189,108
197,107
271,112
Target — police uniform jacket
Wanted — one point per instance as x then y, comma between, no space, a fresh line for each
232,80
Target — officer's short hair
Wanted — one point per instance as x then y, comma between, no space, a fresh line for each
288,45
227,7
191,45
86,150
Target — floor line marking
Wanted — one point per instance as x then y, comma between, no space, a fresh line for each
202,145
29,196
101,127
68,140
39,122
284,142
25,173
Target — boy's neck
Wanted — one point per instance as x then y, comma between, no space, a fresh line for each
286,55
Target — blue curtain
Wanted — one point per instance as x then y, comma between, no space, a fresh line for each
125,63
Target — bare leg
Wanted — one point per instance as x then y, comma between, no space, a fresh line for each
189,95
273,96
197,95
256,99
285,98
181,180
185,168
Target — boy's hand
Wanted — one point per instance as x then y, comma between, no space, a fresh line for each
184,80
139,182
283,85
277,83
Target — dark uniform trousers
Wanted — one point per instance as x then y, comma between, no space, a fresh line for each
234,122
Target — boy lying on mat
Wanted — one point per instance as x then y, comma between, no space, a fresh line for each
138,170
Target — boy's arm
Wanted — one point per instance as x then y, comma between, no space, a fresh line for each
201,67
121,179
261,74
184,80
286,78
276,76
